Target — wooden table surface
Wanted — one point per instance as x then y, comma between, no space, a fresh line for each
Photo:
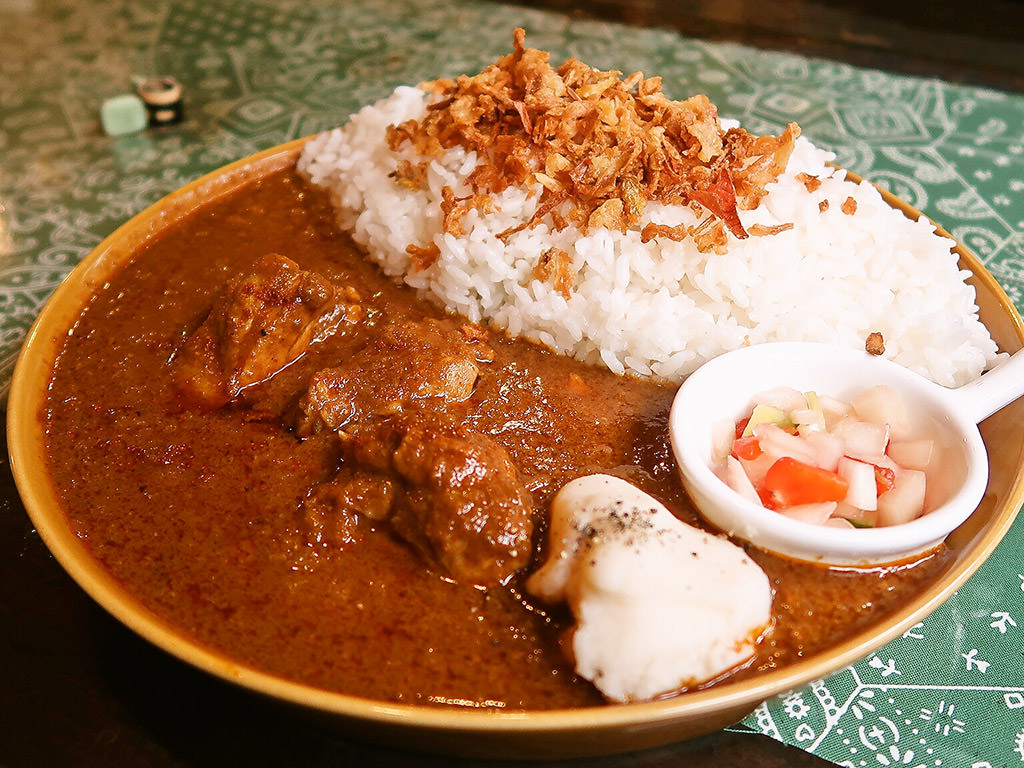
977,43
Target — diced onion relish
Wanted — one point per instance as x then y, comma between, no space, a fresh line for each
825,461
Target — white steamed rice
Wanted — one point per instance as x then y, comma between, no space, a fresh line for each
661,309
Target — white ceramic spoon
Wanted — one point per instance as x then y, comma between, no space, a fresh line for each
723,389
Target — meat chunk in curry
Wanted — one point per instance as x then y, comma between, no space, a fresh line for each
464,503
262,322
423,365
452,493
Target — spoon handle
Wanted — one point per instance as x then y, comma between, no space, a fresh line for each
993,390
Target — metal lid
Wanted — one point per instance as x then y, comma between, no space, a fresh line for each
160,91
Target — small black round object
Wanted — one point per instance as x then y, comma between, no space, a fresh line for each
162,97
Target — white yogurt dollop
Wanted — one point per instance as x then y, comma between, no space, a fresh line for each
659,605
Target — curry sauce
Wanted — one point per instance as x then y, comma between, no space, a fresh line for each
203,512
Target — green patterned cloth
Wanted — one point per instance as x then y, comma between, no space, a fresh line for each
950,692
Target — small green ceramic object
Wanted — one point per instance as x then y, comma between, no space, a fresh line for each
123,114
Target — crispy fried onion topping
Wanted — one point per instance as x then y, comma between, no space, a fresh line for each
605,145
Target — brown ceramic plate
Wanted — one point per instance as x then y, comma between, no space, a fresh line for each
603,730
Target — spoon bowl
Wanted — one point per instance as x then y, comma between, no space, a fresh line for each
724,388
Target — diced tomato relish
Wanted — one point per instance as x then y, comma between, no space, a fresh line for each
849,470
